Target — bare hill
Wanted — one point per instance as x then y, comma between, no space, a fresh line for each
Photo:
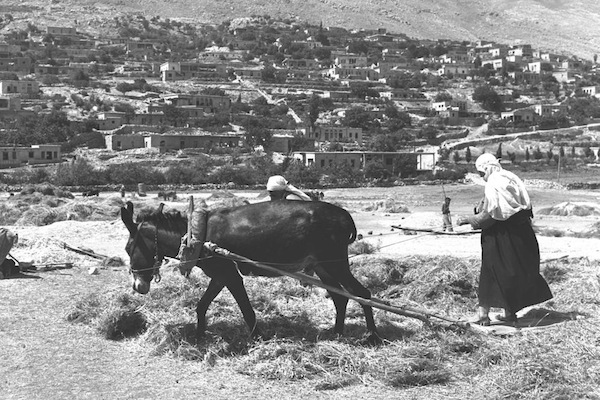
556,25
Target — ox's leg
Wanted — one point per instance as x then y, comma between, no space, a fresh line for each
340,302
235,284
352,285
214,288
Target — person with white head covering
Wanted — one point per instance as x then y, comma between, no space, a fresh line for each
280,189
510,266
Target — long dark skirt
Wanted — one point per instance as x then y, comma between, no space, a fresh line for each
510,267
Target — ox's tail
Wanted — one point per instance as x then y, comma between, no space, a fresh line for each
352,237
350,228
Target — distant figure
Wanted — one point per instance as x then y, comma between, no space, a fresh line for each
280,189
122,190
91,192
446,219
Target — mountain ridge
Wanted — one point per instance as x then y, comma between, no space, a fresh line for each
551,25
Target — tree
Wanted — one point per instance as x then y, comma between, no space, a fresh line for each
358,47
385,142
499,151
357,117
258,136
456,156
468,156
175,116
126,108
214,91
376,170
124,87
272,75
313,109
527,155
362,90
443,96
489,99
301,142
537,154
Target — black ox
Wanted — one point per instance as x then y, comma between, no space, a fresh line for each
289,235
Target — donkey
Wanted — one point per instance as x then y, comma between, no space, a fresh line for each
168,195
288,235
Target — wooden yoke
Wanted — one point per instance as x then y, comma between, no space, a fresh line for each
189,251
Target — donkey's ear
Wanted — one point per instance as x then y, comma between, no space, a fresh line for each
160,208
129,206
127,217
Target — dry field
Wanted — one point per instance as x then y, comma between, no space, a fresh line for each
60,338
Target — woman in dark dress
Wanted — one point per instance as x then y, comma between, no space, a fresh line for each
510,266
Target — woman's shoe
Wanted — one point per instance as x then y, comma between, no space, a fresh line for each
482,320
510,318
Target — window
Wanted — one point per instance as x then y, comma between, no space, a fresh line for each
14,155
322,163
48,155
5,155
31,154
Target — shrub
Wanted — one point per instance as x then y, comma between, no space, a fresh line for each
77,173
134,173
237,175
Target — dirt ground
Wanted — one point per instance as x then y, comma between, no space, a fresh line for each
44,356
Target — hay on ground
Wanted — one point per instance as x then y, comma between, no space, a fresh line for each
221,194
571,209
389,205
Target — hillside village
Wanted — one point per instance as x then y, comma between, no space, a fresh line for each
328,101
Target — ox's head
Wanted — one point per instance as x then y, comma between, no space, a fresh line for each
144,262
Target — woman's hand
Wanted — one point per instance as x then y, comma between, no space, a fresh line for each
462,220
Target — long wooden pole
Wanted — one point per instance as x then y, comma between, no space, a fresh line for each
189,223
373,302
436,231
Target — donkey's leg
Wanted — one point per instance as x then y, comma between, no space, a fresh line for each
340,302
352,285
235,284
214,288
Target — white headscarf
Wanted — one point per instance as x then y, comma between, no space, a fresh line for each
505,192
279,183
487,164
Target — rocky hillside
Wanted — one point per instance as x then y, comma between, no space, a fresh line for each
563,26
